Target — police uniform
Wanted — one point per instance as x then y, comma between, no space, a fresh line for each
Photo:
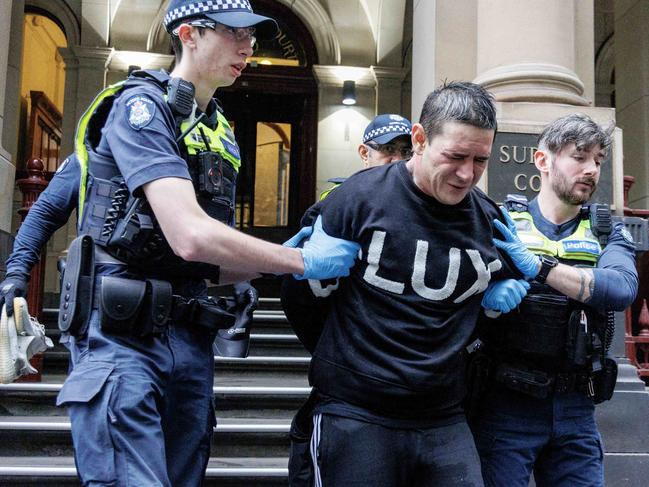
49,213
386,368
547,360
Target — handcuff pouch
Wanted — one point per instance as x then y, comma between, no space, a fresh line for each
120,301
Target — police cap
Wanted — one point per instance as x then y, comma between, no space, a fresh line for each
233,13
386,127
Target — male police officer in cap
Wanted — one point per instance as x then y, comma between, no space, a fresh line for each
157,163
386,139
546,358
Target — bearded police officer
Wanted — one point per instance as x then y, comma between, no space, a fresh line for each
546,359
156,164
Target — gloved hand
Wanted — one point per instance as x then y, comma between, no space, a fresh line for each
526,261
14,286
326,257
296,240
504,295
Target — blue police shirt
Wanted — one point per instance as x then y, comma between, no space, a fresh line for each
139,135
49,213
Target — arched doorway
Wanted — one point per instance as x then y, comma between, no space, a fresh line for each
42,88
273,107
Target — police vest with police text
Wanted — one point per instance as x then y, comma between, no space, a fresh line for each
538,333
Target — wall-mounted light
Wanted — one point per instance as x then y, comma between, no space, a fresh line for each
349,92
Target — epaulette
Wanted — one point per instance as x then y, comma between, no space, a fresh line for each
516,202
336,180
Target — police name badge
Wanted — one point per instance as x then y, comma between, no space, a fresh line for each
139,111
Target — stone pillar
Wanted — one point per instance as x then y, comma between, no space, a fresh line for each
436,53
423,52
389,83
8,109
535,50
85,77
632,92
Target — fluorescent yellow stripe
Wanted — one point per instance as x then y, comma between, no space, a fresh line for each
80,140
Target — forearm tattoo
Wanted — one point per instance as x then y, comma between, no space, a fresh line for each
586,285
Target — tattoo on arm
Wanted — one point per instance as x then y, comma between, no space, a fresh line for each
586,280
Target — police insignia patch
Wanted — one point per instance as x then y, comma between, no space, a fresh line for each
626,235
140,110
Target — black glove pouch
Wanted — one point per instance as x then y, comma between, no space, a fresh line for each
120,302
156,309
604,381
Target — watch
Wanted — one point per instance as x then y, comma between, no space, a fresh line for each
547,262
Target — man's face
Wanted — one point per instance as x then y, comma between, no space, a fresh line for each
373,154
450,164
573,174
221,54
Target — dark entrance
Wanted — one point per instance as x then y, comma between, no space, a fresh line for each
277,135
273,110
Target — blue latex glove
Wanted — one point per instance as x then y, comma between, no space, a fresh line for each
526,261
296,240
325,257
505,295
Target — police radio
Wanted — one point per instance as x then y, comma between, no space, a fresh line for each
600,222
180,97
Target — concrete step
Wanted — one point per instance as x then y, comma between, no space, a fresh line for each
254,399
61,472
233,437
271,367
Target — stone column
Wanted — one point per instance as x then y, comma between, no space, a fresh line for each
389,83
10,21
534,50
85,77
632,93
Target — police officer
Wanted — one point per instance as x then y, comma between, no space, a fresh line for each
157,163
386,139
547,357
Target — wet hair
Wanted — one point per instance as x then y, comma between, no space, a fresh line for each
578,129
458,101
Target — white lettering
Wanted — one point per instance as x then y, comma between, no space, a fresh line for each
373,258
419,273
484,274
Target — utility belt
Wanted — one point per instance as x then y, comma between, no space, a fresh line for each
599,385
128,306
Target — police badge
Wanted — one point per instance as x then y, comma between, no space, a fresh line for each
140,110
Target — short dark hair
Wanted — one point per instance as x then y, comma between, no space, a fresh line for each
578,129
177,45
458,101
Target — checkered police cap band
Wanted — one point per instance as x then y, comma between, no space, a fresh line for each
398,128
202,7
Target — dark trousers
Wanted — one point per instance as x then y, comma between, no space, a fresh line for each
557,438
349,453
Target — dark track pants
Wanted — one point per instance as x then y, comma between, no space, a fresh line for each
351,453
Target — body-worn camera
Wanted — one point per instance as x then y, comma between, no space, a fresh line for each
216,176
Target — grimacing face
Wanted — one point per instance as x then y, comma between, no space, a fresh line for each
449,165
574,173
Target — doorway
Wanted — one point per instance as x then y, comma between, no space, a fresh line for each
276,129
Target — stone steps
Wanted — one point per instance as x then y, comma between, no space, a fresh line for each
255,398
